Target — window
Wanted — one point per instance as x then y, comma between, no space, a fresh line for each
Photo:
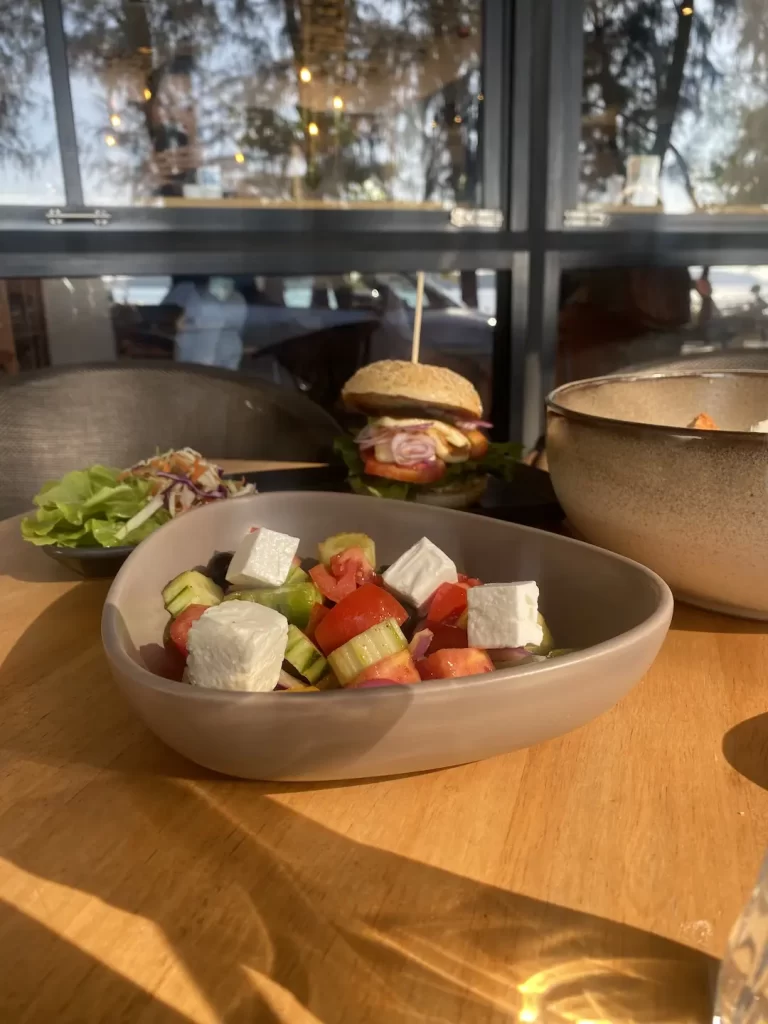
30,168
309,333
615,319
314,103
674,108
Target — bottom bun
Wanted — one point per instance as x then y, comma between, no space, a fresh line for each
469,495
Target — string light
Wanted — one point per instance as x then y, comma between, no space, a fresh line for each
110,140
338,103
480,96
305,75
457,119
312,128
686,11
239,158
145,49
147,94
115,120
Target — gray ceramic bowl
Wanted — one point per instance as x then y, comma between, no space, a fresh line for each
615,609
691,504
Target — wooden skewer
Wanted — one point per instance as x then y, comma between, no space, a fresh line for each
416,340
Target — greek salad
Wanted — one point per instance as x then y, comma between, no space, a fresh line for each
103,507
261,618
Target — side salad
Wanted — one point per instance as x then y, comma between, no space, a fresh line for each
103,507
261,618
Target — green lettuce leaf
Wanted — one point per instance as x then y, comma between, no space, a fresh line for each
88,508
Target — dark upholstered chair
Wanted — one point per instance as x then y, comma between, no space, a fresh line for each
55,420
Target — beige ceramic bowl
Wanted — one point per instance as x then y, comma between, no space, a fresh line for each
691,504
592,599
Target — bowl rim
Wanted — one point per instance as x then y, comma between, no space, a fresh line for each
524,676
553,404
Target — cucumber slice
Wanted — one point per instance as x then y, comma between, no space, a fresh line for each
547,644
297,575
190,588
295,601
304,656
341,541
378,642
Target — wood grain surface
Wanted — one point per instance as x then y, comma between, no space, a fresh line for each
593,878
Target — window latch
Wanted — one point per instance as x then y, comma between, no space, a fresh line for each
57,217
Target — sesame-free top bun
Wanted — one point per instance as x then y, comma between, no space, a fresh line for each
394,384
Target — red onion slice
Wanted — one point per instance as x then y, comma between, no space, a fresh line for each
473,424
419,645
411,449
510,656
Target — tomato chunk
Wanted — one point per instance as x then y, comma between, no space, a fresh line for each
365,607
396,668
423,473
316,616
469,581
178,631
334,589
452,663
446,636
352,560
448,602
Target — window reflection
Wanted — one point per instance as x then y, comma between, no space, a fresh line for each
308,333
277,101
637,318
30,168
674,107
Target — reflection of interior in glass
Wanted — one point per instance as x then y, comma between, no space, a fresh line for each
289,329
311,103
685,84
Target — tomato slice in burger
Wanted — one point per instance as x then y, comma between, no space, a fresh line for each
365,607
423,473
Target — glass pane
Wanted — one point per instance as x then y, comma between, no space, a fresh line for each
674,108
615,319
305,333
245,102
30,168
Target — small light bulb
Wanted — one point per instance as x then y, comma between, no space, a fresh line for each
480,96
457,119
110,140
147,94
115,120
338,103
239,158
305,75
687,11
312,128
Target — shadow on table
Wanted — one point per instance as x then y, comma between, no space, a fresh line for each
745,748
273,917
262,914
696,620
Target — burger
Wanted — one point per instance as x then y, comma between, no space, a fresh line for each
423,440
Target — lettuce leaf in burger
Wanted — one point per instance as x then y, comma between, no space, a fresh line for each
424,438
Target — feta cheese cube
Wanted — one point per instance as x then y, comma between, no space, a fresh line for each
417,574
262,559
237,645
504,615
760,428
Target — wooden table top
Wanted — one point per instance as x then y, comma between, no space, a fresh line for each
591,878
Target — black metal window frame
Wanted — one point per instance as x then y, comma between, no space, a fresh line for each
532,81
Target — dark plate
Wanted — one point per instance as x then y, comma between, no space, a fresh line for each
529,499
93,563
